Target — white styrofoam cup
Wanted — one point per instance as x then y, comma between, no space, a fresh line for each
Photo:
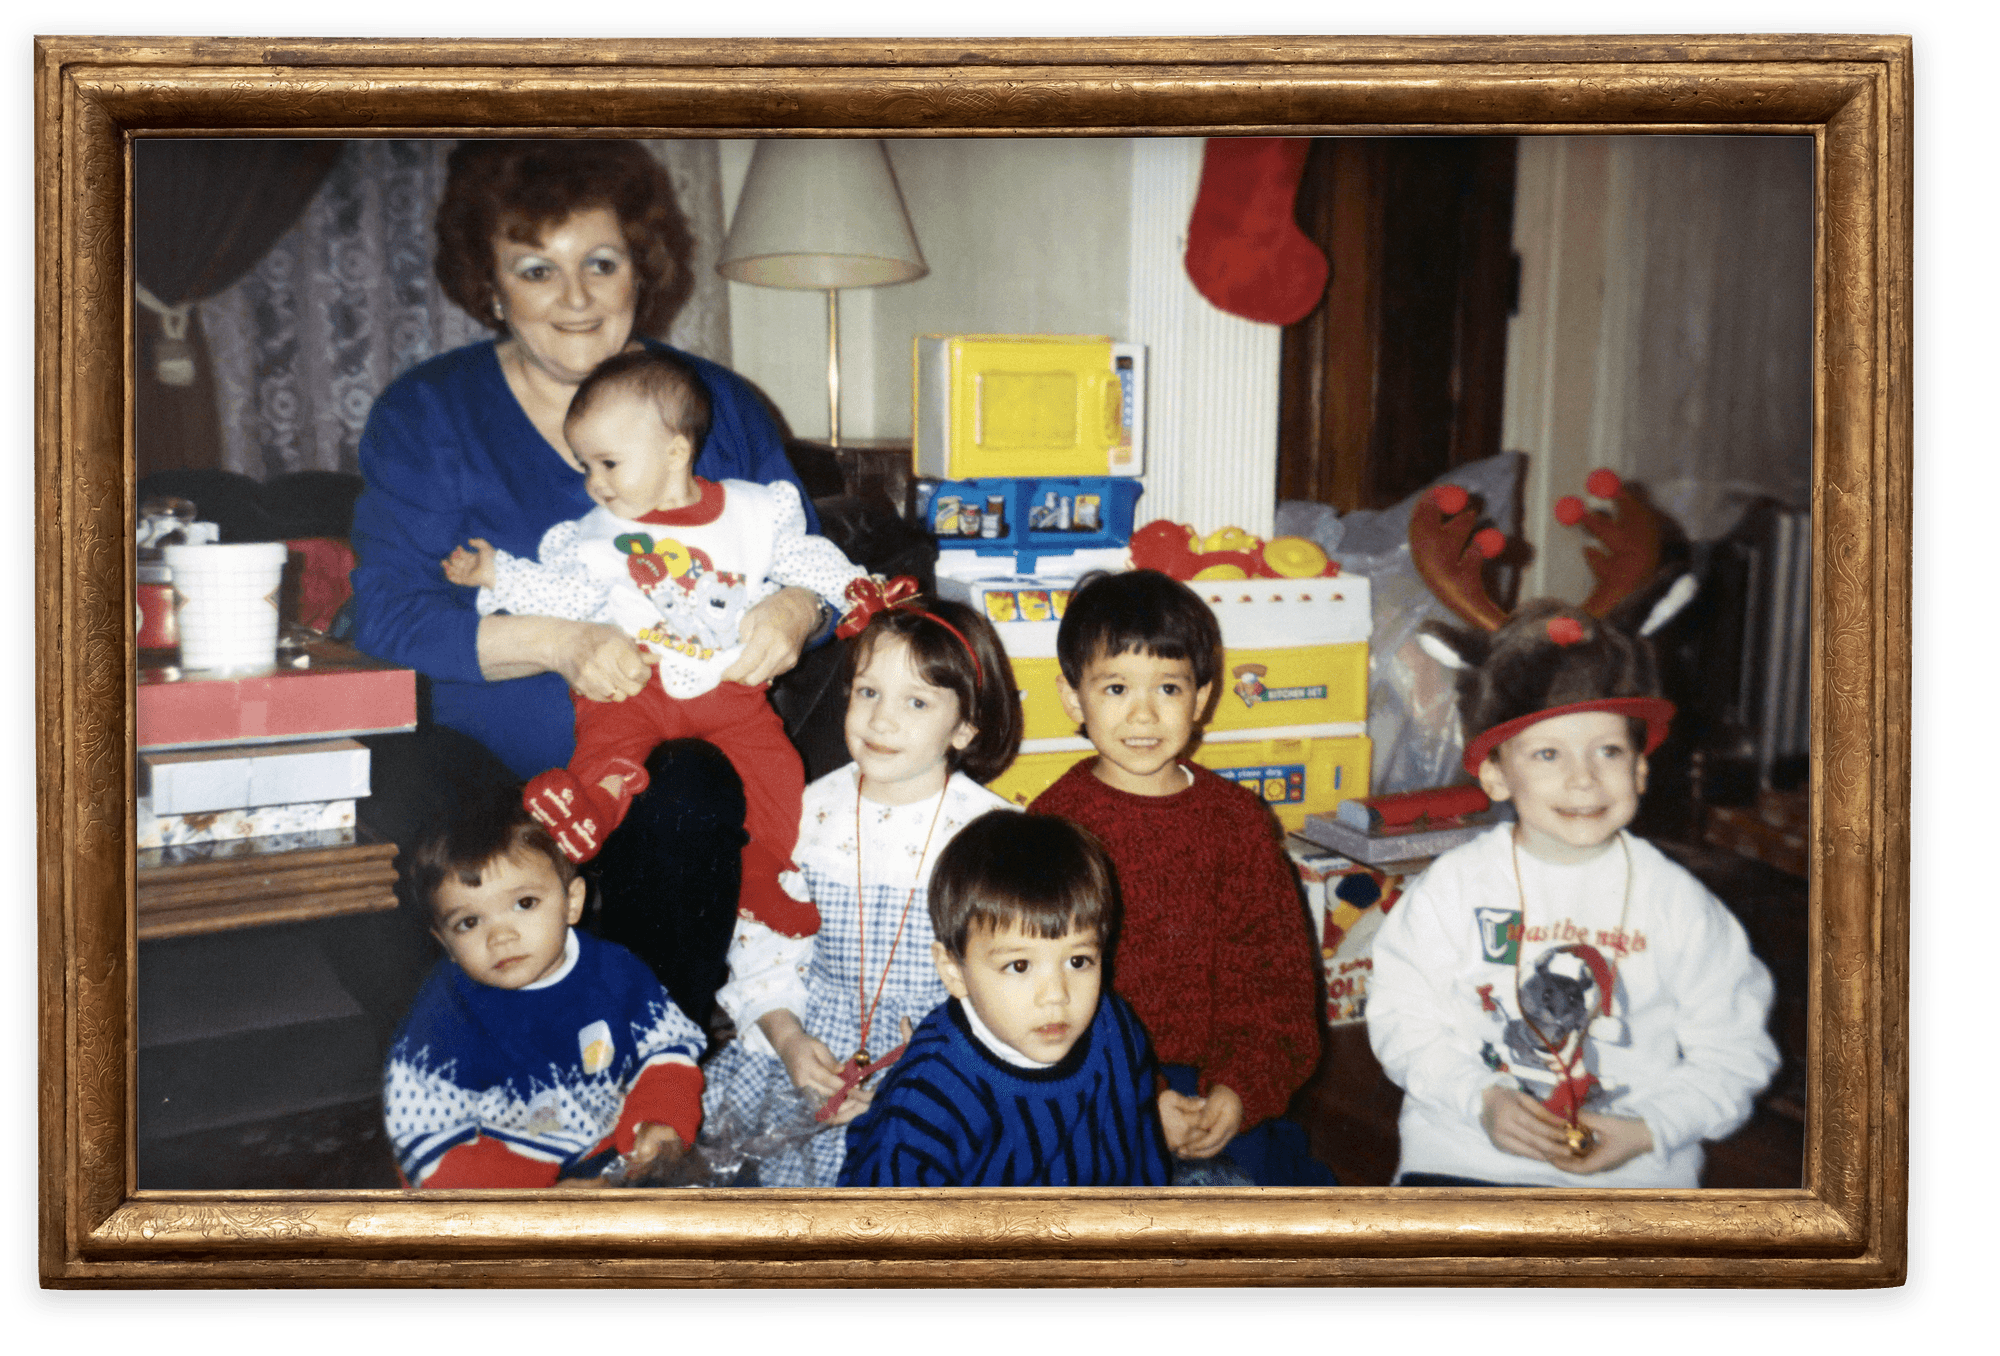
226,603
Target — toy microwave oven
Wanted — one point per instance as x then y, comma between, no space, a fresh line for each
1027,405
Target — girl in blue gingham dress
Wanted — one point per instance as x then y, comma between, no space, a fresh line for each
932,712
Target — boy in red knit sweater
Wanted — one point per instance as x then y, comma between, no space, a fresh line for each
1214,954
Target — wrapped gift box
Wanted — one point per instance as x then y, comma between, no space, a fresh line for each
198,781
217,826
335,691
1347,900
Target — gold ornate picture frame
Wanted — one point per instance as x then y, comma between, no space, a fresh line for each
1845,1227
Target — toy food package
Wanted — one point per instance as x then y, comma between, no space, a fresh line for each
1054,511
1041,604
1348,901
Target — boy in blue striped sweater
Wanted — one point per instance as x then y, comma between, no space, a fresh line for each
1033,1073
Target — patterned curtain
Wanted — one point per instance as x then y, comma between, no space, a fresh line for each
346,301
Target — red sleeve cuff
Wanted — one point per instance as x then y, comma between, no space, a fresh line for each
665,1094
489,1163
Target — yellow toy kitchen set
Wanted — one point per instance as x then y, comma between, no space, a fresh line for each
1028,405
1291,721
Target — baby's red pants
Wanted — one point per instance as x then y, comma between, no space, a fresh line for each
613,737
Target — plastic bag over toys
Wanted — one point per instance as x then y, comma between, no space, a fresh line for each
1412,702
1348,902
736,1149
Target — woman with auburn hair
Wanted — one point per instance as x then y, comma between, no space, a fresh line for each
571,252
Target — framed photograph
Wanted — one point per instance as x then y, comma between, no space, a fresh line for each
99,101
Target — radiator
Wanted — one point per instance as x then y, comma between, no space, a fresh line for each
1765,569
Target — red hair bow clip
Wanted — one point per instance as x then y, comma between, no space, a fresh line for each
871,594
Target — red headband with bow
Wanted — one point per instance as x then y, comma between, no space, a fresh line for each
872,594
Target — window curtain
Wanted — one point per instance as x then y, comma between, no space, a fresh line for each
346,301
204,211
1718,396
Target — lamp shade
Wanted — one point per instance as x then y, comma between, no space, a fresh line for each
821,215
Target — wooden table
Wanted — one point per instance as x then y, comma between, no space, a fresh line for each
252,882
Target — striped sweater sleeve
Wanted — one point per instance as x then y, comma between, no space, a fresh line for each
920,1134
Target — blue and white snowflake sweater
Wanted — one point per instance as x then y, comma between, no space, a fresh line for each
491,1087
952,1113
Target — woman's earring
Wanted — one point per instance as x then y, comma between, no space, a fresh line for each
499,310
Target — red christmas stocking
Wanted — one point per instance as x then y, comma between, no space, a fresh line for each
1245,253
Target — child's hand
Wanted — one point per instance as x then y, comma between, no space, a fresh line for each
1519,1125
1620,1139
653,1143
861,1094
1177,1119
807,1060
598,661
851,1106
1217,1118
474,568
810,1064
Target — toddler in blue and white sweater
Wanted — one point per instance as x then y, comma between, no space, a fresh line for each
532,1052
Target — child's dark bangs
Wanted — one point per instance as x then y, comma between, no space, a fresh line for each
935,653
941,661
1166,648
1147,626
1048,919
1043,898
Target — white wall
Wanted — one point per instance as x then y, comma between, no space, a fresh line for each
1022,237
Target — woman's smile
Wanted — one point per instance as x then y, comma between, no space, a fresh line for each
568,298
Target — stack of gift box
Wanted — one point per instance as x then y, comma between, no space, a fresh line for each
248,784
212,795
235,756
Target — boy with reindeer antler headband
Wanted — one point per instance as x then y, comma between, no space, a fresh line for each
1557,999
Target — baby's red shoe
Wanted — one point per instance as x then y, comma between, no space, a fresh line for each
764,899
578,817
